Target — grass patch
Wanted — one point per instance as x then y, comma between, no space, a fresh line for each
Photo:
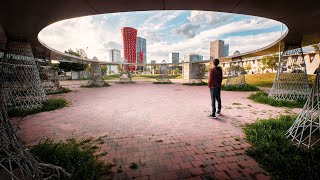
48,105
277,154
196,84
110,77
266,79
60,91
262,97
158,82
239,88
77,159
105,84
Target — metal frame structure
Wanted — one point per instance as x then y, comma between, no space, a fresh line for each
236,74
125,74
48,76
96,76
163,76
306,128
198,72
20,87
293,84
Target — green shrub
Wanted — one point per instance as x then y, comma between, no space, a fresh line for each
240,88
262,97
105,84
277,154
158,82
60,91
76,158
48,105
196,84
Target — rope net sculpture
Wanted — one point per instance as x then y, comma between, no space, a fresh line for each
236,74
48,76
291,82
20,86
125,75
96,76
198,72
306,129
163,76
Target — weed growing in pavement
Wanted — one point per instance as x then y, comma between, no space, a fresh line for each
48,105
277,154
262,97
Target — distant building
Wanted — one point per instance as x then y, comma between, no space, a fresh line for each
173,57
153,61
129,36
226,50
114,55
141,52
193,57
216,49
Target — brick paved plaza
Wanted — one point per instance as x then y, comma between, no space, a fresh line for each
162,128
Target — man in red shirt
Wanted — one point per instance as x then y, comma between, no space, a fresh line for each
214,83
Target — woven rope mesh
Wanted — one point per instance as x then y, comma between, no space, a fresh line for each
16,162
306,129
236,74
291,82
163,76
22,87
125,75
48,75
197,72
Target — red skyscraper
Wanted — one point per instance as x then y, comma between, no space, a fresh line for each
129,36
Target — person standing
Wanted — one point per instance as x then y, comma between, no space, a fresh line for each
214,84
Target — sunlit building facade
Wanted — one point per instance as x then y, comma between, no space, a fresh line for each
129,36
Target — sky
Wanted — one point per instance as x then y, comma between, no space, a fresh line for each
165,32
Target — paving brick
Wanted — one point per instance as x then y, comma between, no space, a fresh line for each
133,117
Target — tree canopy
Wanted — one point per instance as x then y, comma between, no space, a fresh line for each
270,62
67,66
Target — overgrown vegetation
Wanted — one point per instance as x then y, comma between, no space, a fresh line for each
239,88
49,105
94,85
75,157
266,79
262,97
196,84
60,91
159,82
277,154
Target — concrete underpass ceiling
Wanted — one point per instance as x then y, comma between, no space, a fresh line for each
23,20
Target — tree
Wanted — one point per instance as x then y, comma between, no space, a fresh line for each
270,62
78,52
119,68
67,66
248,67
104,69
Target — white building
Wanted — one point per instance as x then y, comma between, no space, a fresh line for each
114,55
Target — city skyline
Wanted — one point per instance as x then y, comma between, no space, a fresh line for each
165,31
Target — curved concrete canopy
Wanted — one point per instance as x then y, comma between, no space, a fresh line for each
23,20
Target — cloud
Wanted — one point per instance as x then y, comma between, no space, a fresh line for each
160,28
188,30
211,18
112,45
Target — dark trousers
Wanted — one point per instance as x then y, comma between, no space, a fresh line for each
215,95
